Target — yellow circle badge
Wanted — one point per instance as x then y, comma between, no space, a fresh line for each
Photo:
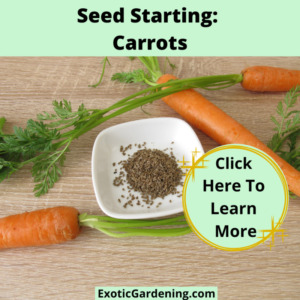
235,197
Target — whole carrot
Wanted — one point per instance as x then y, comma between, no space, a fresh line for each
60,224
269,79
40,227
210,119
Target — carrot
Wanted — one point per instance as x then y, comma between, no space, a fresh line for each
59,224
269,79
207,117
41,227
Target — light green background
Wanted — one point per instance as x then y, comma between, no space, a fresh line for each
269,203
204,292
254,28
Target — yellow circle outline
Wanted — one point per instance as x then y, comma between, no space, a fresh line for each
264,156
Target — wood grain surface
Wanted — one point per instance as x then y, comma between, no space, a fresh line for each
28,85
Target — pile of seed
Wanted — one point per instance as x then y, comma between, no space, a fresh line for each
153,173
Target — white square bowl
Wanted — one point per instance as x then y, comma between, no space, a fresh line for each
157,133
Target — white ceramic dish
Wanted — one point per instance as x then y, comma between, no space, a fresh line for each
158,133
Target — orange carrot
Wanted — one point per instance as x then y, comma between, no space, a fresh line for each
41,227
269,79
207,117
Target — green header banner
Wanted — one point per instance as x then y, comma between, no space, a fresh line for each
172,28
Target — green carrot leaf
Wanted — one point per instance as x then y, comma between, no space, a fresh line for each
285,142
7,168
136,76
47,170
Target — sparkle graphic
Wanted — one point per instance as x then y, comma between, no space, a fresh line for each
193,166
273,232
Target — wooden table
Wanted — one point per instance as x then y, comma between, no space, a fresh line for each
72,270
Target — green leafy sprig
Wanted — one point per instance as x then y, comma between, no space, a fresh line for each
40,143
136,76
285,142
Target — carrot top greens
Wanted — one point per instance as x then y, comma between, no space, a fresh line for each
44,142
287,126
